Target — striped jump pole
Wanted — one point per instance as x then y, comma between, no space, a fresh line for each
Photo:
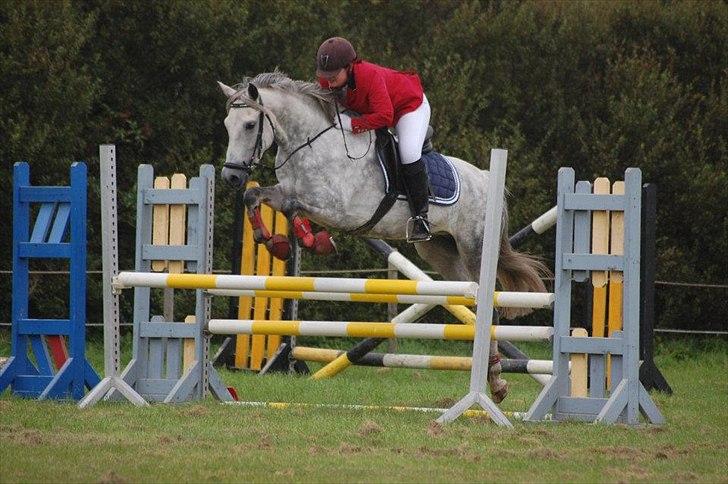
410,270
538,226
421,362
377,330
347,297
287,283
534,300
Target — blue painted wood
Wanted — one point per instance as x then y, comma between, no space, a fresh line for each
43,223
44,326
38,194
31,250
60,224
61,209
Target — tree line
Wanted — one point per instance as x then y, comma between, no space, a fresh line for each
599,86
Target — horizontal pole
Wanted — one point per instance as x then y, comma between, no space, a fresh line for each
421,362
347,297
538,226
375,330
372,408
285,283
534,300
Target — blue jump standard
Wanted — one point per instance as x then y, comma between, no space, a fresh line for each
59,232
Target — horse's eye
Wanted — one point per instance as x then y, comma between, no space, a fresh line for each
249,125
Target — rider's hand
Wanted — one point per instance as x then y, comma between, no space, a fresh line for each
345,122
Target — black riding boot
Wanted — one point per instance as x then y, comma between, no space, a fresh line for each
418,190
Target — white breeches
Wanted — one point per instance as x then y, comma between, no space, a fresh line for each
411,130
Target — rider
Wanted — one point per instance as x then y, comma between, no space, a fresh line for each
385,98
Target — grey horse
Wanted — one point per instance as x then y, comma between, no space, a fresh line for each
333,178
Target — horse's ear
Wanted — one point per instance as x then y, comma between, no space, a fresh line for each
252,91
227,90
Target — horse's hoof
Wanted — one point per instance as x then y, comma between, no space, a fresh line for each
279,247
500,394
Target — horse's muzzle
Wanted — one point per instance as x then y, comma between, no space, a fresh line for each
235,175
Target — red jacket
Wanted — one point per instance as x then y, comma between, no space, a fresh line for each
381,95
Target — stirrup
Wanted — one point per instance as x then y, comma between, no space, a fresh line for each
418,229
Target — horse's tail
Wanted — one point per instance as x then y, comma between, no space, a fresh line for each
518,272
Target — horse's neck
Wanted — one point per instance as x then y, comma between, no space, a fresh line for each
298,117
302,120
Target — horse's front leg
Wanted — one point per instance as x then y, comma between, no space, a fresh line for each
319,243
278,245
252,198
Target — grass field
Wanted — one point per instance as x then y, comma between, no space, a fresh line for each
206,441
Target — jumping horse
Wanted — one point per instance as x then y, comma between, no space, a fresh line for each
334,179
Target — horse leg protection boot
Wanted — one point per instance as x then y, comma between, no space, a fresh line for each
418,191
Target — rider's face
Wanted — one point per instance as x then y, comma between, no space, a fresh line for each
338,80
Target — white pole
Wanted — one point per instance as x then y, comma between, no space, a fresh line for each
486,289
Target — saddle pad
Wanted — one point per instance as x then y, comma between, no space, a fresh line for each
444,179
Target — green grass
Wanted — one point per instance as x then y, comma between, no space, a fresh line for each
206,441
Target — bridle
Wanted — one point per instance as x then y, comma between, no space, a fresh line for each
258,149
253,163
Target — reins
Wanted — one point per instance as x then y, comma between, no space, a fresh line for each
258,150
346,147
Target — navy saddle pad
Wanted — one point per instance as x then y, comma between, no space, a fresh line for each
444,179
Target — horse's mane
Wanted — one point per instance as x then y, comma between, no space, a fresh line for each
279,80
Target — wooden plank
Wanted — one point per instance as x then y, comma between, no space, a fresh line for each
188,357
160,224
616,278
245,303
600,245
157,347
579,368
177,222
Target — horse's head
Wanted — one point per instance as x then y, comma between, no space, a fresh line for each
250,133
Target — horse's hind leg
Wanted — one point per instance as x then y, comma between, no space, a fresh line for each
442,254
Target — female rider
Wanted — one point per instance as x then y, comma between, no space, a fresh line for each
385,98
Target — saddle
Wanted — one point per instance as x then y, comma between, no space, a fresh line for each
444,182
